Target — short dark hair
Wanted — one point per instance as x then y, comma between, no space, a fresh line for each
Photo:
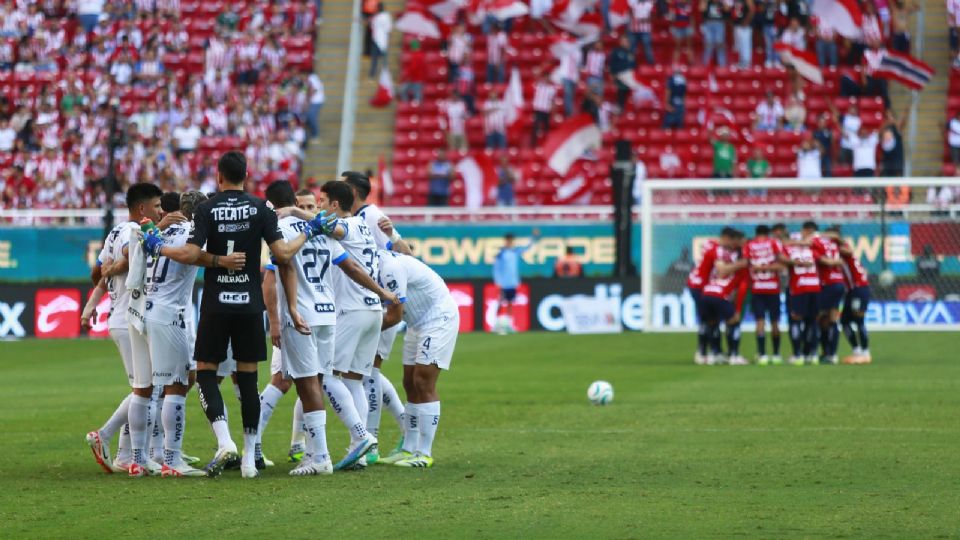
762,230
232,166
340,191
142,192
304,192
170,201
778,227
737,234
358,181
280,194
729,232
810,225
835,228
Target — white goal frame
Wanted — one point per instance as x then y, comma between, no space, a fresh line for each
649,212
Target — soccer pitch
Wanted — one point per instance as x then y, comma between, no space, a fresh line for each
683,451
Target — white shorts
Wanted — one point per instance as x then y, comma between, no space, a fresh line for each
191,336
142,370
169,352
307,356
276,361
228,366
387,338
121,337
358,333
433,343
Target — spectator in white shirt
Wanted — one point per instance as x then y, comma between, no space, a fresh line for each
8,136
380,26
456,121
941,197
953,136
850,123
186,136
808,159
670,162
494,121
497,48
769,113
315,88
795,35
122,70
865,153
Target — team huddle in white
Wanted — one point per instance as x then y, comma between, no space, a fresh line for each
340,282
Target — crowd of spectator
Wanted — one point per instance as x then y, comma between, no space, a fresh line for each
80,78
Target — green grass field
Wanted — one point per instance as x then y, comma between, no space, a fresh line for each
683,452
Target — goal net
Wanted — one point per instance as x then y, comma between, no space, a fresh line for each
904,232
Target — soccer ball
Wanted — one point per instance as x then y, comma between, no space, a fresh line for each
600,392
887,278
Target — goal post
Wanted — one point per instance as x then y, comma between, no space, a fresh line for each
907,237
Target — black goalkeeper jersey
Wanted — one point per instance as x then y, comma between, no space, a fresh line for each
234,221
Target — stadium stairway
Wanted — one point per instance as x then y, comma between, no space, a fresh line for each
927,156
373,133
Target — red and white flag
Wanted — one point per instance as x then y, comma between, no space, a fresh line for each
574,189
416,22
444,9
619,13
386,179
479,179
513,97
804,62
384,94
844,16
506,9
568,141
642,94
903,68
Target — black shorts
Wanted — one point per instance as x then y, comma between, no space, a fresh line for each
243,331
765,307
697,295
804,305
715,310
508,295
831,296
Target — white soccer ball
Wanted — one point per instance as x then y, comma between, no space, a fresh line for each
887,278
600,393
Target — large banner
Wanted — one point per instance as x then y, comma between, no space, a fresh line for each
467,251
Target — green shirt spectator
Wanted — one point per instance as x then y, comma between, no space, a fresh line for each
757,165
724,155
70,102
228,19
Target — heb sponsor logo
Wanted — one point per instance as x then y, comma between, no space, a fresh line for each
236,298
462,294
99,326
521,307
57,313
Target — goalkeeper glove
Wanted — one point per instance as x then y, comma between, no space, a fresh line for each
152,243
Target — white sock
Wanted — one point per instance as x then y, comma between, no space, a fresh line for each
316,430
174,420
297,436
411,433
429,419
371,389
268,401
116,420
123,443
391,401
359,398
138,419
222,432
156,438
341,401
249,458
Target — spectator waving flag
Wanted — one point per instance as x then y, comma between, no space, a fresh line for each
568,141
642,94
843,16
416,22
506,9
804,62
619,13
444,8
479,179
574,189
513,98
384,94
903,68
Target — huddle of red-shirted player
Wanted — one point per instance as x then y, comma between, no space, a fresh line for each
823,275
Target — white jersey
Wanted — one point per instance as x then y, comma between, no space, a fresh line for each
359,244
424,295
113,246
169,284
371,215
315,290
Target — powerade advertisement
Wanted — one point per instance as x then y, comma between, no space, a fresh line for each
53,311
467,251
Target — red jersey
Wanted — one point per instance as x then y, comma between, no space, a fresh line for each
762,252
803,279
701,272
723,287
824,247
856,274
